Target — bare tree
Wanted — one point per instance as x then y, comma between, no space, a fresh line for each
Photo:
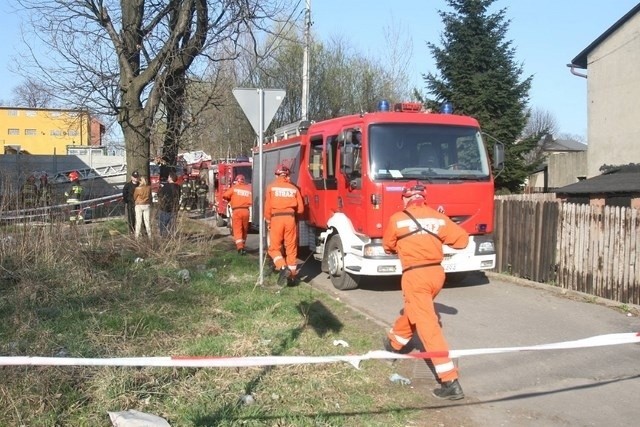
398,54
33,94
127,58
541,126
573,137
540,122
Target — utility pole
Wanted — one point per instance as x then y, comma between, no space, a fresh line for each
305,61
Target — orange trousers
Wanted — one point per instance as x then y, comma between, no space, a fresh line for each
284,229
419,289
240,226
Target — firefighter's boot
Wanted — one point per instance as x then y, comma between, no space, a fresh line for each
450,390
283,275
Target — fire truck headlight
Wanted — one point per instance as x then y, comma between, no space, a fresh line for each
374,251
484,245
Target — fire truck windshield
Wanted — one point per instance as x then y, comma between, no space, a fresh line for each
243,170
426,151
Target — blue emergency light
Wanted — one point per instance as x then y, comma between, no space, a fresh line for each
446,108
383,105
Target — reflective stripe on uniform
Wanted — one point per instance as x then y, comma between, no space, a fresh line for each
401,340
444,367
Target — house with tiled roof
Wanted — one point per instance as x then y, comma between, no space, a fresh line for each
565,162
619,186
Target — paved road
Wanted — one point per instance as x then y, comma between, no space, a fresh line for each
580,387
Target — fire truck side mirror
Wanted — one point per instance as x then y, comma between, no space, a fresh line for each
498,153
498,156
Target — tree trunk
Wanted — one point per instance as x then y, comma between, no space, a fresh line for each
174,97
137,136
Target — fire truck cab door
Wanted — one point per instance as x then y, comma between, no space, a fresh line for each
322,169
351,201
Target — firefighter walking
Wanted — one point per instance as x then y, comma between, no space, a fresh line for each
417,234
74,197
240,199
282,203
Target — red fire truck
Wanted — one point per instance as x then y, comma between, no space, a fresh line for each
195,164
351,171
222,175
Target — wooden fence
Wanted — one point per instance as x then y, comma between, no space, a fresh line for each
577,247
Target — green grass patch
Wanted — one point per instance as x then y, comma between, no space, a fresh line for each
96,292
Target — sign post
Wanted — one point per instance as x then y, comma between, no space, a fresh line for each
259,105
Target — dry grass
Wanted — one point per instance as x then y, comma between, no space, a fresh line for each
92,291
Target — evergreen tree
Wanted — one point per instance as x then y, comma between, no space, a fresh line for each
478,74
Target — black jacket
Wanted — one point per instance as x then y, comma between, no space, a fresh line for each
127,192
169,197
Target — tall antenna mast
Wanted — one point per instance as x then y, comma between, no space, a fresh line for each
305,61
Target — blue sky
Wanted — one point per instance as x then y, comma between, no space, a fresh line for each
547,35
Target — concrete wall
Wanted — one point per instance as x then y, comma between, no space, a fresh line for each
14,169
21,166
562,169
613,91
565,168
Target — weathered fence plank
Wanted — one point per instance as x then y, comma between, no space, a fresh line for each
579,247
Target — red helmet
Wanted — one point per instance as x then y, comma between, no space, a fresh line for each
240,178
282,170
414,188
74,176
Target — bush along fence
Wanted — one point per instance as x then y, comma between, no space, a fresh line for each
595,250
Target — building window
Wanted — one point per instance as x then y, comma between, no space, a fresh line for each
30,132
73,132
14,132
12,113
31,113
56,132
55,114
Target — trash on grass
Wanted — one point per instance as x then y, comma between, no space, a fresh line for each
133,418
399,379
184,275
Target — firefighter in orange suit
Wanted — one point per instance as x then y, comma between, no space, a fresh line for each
282,203
417,234
240,199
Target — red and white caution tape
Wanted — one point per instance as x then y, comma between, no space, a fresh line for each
235,362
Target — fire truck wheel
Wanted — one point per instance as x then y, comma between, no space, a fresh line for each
335,259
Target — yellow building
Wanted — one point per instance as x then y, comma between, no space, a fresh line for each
47,131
